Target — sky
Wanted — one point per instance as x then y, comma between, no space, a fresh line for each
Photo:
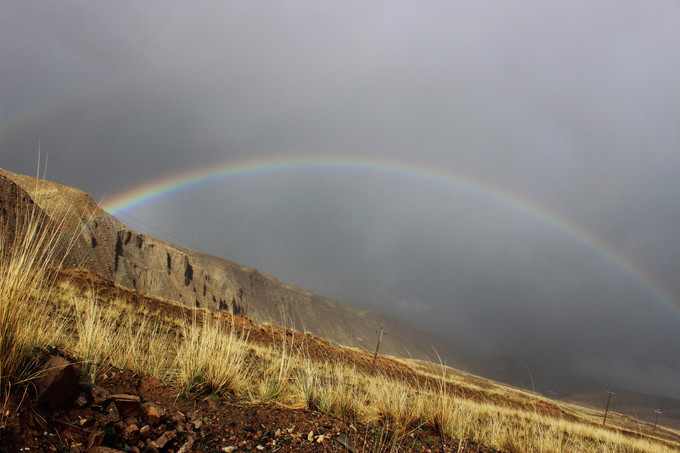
535,212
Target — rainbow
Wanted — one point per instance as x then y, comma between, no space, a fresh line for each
166,187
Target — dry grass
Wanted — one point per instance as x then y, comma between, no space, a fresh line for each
27,250
209,358
205,355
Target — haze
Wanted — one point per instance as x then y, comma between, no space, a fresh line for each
573,107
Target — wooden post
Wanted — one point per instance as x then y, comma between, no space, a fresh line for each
658,411
606,409
375,356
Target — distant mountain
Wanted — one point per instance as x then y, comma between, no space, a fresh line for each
108,248
638,405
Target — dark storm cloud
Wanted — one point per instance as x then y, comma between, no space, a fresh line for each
573,107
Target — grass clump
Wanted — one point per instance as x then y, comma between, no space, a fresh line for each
28,248
210,358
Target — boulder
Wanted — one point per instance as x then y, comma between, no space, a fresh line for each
57,382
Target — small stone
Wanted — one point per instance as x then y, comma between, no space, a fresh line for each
100,395
132,421
80,400
177,418
310,436
186,447
277,433
150,448
260,447
229,449
165,438
154,412
197,423
130,434
128,405
145,432
112,410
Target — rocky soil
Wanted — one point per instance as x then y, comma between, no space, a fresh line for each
133,413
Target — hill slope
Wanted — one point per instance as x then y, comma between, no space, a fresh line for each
108,248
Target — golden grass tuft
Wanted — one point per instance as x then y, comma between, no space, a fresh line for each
28,247
209,358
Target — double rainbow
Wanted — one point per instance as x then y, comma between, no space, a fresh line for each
166,187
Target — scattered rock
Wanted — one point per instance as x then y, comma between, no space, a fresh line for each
57,383
166,437
112,410
154,412
145,432
99,394
186,447
150,448
128,405
130,434
177,418
80,400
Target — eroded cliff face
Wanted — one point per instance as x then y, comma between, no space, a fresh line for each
105,246
156,267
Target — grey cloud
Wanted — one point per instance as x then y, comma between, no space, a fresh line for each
572,107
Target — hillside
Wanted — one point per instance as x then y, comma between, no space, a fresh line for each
91,366
108,248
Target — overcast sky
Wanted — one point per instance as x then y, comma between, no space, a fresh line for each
572,107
